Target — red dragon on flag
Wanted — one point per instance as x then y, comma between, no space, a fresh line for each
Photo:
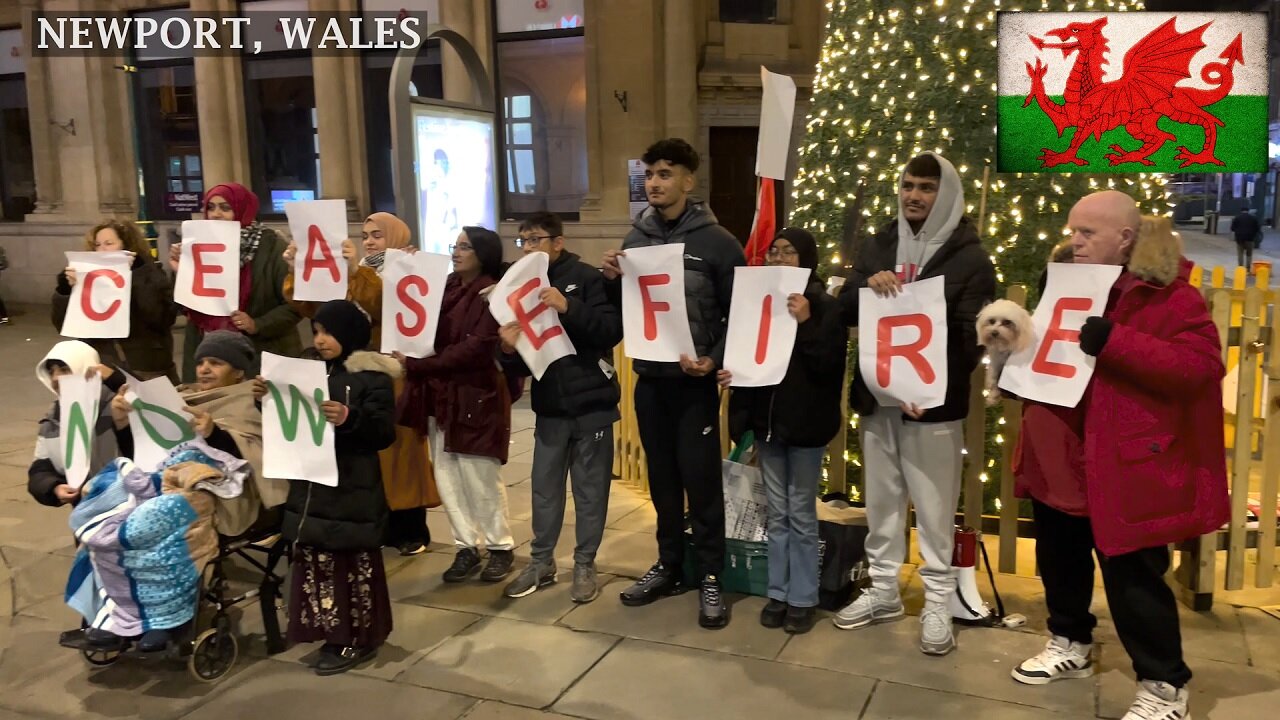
1147,92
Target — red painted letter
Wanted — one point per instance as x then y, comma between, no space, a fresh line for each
886,351
202,268
652,308
525,317
762,339
316,240
413,306
86,304
1056,333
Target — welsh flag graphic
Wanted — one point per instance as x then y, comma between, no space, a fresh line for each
1132,92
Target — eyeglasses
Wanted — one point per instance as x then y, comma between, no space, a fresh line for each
532,240
461,247
775,253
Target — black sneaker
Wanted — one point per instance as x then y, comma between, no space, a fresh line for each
499,565
773,614
799,620
712,612
466,562
657,582
412,547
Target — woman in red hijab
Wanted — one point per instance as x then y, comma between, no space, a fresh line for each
264,315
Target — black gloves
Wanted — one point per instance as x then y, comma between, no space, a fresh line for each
1094,334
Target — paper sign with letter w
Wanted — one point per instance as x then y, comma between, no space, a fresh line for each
902,344
294,448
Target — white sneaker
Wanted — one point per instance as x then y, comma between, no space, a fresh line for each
1061,659
936,637
872,606
1159,701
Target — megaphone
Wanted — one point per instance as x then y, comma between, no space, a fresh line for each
966,603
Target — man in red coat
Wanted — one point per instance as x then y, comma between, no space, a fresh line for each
1138,464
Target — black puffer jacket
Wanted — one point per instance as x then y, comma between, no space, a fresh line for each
576,386
353,515
804,409
710,255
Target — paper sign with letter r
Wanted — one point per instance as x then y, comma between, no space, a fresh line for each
902,344
297,440
655,321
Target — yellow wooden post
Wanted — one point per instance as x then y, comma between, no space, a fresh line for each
1268,495
1243,451
1012,430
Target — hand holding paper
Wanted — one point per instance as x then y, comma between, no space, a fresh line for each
321,226
762,328
655,321
208,278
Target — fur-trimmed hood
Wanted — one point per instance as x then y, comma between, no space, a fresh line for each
367,361
1157,253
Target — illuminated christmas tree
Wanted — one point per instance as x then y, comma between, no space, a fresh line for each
897,78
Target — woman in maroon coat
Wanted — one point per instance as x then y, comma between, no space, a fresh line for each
459,399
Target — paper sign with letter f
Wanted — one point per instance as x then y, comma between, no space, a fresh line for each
902,344
209,269
318,228
297,440
762,332
655,321
515,299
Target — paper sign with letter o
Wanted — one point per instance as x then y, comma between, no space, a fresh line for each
209,269
318,228
158,421
543,339
1054,369
79,402
297,440
100,300
762,332
412,291
902,344
655,322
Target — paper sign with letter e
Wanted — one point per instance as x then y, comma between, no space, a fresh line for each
158,421
78,405
761,331
412,291
100,299
655,323
318,228
297,440
209,269
515,299
1054,369
902,344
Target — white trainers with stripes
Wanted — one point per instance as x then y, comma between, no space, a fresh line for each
1061,659
1159,701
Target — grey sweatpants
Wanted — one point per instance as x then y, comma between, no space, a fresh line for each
562,448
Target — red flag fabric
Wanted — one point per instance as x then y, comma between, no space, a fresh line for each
764,226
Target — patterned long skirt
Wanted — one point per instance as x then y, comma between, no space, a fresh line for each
338,597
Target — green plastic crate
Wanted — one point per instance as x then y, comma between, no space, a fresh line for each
746,566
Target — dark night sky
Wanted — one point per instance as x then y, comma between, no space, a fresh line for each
1204,5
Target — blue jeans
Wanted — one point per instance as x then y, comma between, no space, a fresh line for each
791,486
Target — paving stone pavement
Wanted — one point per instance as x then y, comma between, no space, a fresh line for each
464,651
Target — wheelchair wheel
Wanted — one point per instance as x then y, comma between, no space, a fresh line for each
213,653
101,658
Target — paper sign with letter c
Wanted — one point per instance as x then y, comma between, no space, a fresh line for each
762,332
412,291
209,267
902,344
655,321
100,300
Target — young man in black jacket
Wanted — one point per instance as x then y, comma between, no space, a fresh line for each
576,403
677,404
910,454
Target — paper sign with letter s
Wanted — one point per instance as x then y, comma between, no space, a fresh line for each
297,440
208,278
159,421
762,332
79,402
318,228
902,344
543,339
1054,369
100,300
655,322
412,292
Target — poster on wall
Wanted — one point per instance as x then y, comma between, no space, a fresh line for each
454,154
635,188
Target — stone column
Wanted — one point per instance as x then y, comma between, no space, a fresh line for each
680,68
48,172
224,137
459,16
335,107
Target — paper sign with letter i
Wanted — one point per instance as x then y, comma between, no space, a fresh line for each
655,323
762,332
158,421
412,292
318,228
515,299
902,344
209,268
1054,369
297,440
78,405
100,300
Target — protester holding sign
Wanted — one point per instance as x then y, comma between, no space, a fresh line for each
147,352
912,454
678,404
1130,469
264,315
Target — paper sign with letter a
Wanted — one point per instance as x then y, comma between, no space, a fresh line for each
318,228
158,421
100,299
902,344
655,323
412,291
762,332
297,440
209,269
543,339
78,405
1054,369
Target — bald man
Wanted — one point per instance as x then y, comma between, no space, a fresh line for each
1138,464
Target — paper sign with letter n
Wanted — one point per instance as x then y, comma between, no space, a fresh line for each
100,300
209,269
158,421
1054,369
78,405
762,332
318,228
655,322
543,339
297,440
902,344
412,291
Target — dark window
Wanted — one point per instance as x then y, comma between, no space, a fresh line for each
169,139
17,168
427,82
748,11
280,102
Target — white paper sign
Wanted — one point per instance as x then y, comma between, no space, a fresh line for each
100,299
158,421
902,344
412,291
515,299
777,109
761,331
655,322
297,440
208,278
1054,369
79,402
318,228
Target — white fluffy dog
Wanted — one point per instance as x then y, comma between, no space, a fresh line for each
1004,328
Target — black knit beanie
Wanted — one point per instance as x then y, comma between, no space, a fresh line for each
488,248
347,323
230,347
